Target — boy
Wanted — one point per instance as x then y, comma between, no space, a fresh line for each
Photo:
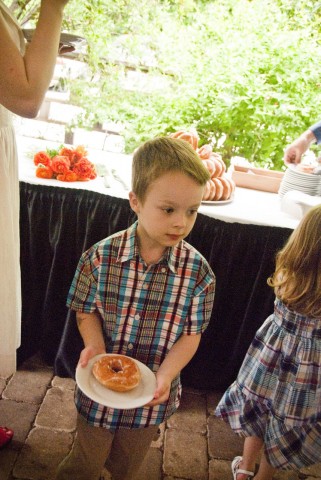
147,294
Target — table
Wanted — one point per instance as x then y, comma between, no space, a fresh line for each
249,206
58,223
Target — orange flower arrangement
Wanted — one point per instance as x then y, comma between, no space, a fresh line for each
65,164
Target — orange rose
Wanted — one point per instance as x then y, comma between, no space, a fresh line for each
44,171
80,150
43,158
74,154
67,152
84,169
67,176
60,164
93,172
65,164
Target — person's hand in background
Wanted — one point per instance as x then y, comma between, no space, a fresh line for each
293,153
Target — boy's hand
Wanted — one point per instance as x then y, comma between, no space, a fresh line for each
162,391
179,355
87,353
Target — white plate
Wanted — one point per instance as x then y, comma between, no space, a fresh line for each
296,171
217,202
139,396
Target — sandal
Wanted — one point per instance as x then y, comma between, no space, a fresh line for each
236,470
6,435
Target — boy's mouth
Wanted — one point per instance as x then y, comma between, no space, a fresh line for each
173,237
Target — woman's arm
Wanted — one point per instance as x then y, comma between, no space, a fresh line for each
24,80
90,328
178,356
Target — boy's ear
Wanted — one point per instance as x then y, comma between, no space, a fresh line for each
134,202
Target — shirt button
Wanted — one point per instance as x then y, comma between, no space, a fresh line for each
130,346
163,270
137,316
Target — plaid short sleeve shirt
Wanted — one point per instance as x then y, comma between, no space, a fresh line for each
144,311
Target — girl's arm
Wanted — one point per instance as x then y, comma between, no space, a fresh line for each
24,80
179,356
90,328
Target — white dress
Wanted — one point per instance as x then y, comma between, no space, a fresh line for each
10,290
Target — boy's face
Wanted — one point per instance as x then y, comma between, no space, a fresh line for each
168,212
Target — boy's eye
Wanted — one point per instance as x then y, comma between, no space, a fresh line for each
168,210
193,211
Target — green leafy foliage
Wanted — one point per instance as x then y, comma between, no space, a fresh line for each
244,73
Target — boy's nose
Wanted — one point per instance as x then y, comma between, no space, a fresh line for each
180,221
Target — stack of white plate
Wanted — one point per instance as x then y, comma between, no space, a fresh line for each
294,179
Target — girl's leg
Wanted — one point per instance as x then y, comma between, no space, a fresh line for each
251,450
266,470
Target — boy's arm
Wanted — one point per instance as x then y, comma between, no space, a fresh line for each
90,328
179,356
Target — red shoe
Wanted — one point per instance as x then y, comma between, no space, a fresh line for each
5,436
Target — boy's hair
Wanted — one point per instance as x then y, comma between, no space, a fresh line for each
162,155
297,277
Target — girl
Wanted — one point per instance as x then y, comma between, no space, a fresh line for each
276,400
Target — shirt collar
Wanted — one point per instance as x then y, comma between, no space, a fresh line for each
128,249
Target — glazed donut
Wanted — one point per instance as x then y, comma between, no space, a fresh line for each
219,189
205,151
218,168
117,372
216,156
189,136
207,189
212,190
227,188
210,165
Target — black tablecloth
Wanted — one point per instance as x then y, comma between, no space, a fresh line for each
57,224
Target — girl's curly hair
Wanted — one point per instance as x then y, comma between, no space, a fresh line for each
297,277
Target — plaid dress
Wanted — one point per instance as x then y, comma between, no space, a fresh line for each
277,394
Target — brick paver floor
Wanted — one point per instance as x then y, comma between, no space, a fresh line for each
193,445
